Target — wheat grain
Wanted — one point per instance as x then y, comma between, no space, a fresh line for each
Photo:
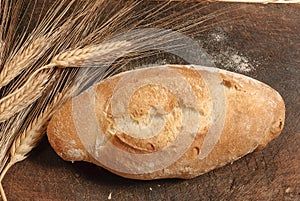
88,55
21,61
29,138
24,96
25,142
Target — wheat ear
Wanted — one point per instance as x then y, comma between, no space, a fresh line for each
24,96
27,140
21,61
88,55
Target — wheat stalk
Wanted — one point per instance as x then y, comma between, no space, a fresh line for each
24,96
21,61
2,193
25,142
88,55
29,138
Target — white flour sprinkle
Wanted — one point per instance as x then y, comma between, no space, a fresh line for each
232,60
226,56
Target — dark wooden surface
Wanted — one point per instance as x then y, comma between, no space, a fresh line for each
268,40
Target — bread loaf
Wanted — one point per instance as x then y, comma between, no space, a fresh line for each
167,121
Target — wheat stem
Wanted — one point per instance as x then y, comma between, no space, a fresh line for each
3,173
7,167
2,193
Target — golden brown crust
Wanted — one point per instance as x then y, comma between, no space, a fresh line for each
254,115
63,137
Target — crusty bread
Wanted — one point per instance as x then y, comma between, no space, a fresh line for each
167,121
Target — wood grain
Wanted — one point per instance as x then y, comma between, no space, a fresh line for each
269,37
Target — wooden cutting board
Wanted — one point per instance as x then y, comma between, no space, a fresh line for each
265,44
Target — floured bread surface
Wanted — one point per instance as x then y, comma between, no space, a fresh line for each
167,121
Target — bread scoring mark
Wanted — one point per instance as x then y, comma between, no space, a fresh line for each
131,83
160,140
144,102
172,115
